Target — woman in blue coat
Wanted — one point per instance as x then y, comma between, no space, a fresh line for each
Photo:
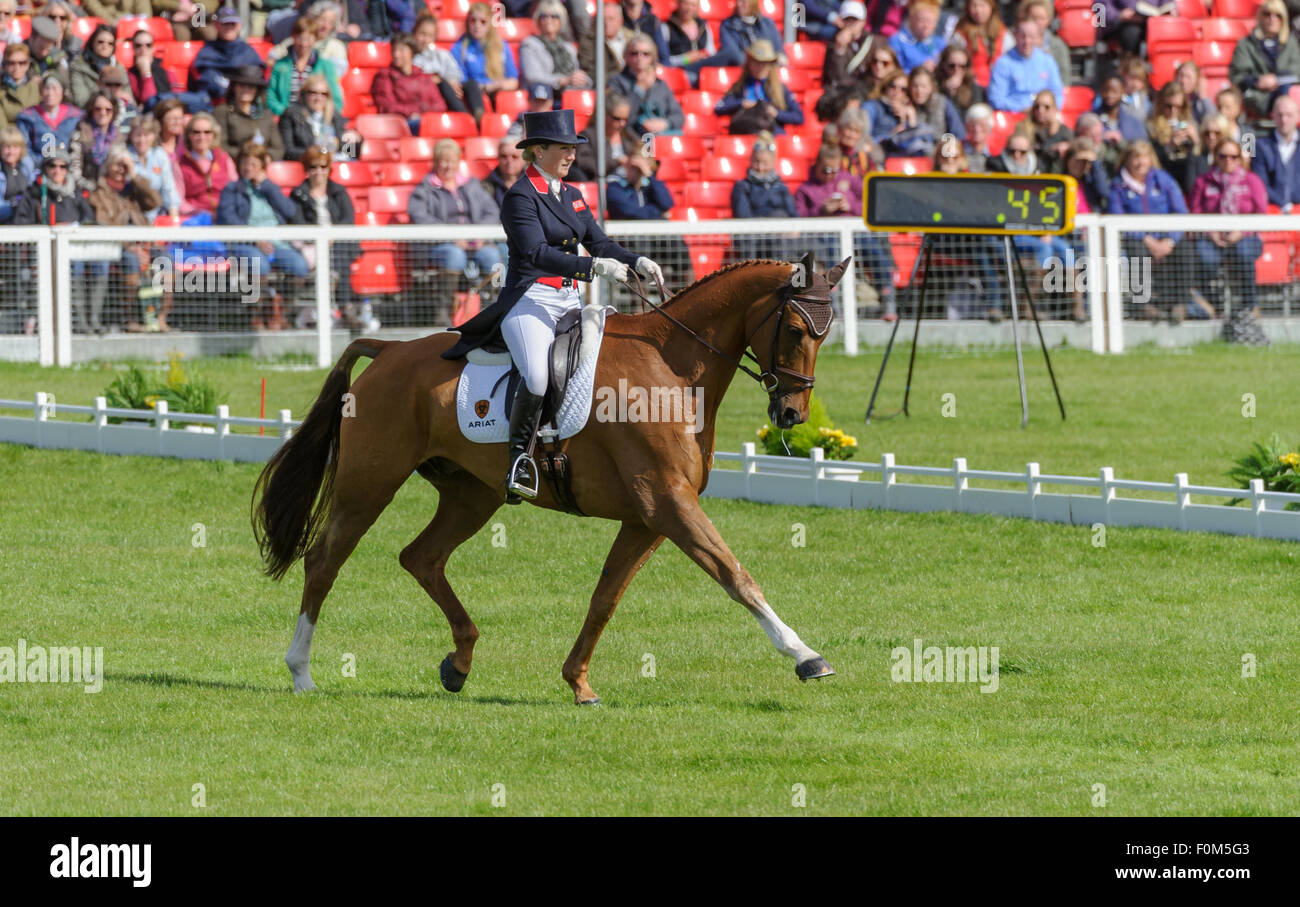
1143,188
49,124
760,101
545,220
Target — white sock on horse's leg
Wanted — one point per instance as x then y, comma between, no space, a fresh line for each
299,657
786,640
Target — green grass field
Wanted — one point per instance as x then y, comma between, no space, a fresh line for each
1120,666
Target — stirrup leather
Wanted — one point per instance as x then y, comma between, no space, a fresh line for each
514,485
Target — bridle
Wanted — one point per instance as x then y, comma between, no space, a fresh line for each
812,304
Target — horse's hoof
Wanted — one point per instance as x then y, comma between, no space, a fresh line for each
814,669
595,701
452,680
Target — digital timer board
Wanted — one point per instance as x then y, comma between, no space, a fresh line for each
992,203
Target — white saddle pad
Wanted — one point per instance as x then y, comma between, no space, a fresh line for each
482,413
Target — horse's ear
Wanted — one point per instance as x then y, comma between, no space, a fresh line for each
834,274
808,263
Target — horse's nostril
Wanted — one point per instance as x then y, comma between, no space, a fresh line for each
790,416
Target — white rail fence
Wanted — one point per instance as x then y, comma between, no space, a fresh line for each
762,478
49,256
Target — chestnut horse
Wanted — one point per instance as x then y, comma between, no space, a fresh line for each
326,486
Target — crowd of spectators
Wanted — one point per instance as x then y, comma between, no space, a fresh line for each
960,85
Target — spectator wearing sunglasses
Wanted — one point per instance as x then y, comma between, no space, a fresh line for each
618,111
955,80
303,60
640,18
148,80
62,13
314,122
550,57
205,168
20,87
1227,188
655,110
84,70
1265,62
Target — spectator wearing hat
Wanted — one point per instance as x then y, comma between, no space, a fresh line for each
510,165
822,20
210,72
46,55
303,59
442,67
918,42
762,194
741,29
759,101
84,70
52,198
854,62
541,97
146,76
655,110
687,38
314,122
618,113
403,89
20,87
449,196
17,171
49,122
205,168
114,83
550,57
1022,72
245,116
90,142
253,200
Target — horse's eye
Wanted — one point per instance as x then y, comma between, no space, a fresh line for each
794,330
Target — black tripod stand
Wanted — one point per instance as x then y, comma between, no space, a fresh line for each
1014,270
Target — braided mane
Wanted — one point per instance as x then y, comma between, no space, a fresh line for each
727,270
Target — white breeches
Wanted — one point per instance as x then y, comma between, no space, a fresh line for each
529,331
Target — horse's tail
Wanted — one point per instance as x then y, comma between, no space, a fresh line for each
292,495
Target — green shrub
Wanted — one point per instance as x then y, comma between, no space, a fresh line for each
1273,463
818,431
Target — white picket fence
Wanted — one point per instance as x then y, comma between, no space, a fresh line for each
763,478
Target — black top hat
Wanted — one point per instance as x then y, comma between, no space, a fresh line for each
550,126
247,75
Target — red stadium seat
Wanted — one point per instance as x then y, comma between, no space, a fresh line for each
496,124
696,213
715,10
85,26
370,54
1077,29
515,30
671,169
1169,34
1274,266
382,126
1235,9
451,125
260,46
285,174
416,148
1227,30
373,219
590,194
797,80
675,79
706,257
1213,57
740,146
449,30
1004,123
905,247
773,9
511,102
479,148
181,54
1078,98
389,199
908,165
725,169
701,102
381,151
1191,9
1163,67
709,194
810,55
357,80
352,174
580,102
403,174
375,274
797,146
792,171
718,78
688,148
663,8
698,124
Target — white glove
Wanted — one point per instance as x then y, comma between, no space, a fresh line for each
611,269
649,269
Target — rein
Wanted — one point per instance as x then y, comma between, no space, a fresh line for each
768,379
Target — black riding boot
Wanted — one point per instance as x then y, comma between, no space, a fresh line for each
521,482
